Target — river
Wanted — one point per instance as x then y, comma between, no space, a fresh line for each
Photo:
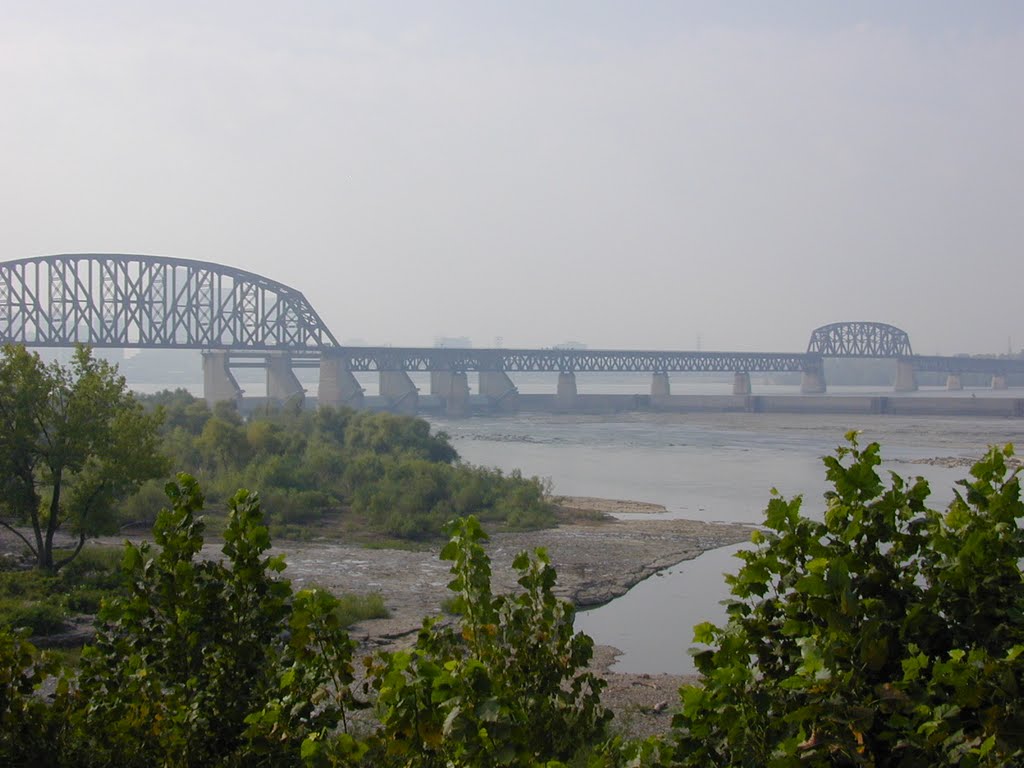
708,467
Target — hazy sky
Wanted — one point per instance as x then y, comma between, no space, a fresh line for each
623,174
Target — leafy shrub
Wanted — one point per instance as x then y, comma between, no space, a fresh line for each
29,723
206,663
886,634
503,686
40,618
355,608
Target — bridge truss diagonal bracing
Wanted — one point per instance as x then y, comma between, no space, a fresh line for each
859,339
117,300
568,361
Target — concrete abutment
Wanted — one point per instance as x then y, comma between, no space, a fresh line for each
812,382
502,395
741,383
660,385
338,386
906,377
282,384
566,394
401,394
219,384
453,388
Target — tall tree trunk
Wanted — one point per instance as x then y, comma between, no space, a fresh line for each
46,553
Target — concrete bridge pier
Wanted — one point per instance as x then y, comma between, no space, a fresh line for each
282,384
453,387
565,397
660,385
741,383
953,383
906,378
338,386
812,382
499,390
219,383
999,381
397,388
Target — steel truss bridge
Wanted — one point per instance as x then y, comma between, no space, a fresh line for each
126,301
115,300
566,360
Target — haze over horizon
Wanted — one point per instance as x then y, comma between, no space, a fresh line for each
641,175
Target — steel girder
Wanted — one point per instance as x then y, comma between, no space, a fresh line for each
994,365
859,340
120,300
569,361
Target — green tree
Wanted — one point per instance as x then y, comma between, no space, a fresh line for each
72,442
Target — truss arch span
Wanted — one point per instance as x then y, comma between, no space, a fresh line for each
859,339
123,300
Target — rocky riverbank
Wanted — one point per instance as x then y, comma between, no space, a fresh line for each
597,559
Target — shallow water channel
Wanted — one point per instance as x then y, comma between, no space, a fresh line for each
708,467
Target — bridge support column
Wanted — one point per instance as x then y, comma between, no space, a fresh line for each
400,392
219,384
338,387
812,382
282,384
456,399
953,383
501,393
660,385
906,379
440,382
565,397
741,383
453,388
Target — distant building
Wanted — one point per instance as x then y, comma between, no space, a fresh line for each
453,342
570,345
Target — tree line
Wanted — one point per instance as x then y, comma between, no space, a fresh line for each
80,453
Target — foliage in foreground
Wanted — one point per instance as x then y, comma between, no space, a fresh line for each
505,685
886,634
208,662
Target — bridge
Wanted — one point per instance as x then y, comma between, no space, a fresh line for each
241,319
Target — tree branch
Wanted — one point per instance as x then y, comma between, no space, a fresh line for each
73,555
17,533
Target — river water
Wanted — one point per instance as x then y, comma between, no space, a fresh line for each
709,467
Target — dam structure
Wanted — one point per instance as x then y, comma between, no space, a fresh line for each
240,319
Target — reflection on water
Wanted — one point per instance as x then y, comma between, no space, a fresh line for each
654,621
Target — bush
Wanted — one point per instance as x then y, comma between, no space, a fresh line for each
207,663
355,608
40,618
886,634
504,685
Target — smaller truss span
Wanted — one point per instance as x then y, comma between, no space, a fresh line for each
859,339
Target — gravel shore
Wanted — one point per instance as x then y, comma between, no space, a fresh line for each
597,560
